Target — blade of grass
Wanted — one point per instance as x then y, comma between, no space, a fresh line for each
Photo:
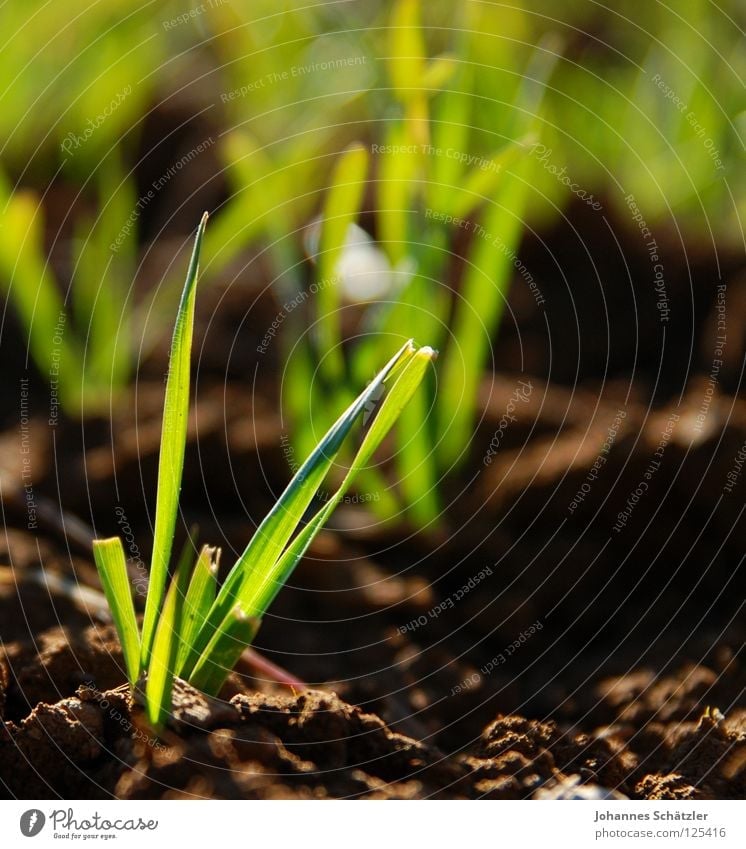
27,282
162,665
173,441
199,599
112,569
261,585
487,273
341,209
396,184
223,651
273,533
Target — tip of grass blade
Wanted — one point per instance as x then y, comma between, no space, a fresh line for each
427,351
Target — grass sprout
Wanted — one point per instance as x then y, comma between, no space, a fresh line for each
192,628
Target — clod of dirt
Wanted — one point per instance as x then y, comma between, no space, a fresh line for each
57,750
517,758
311,745
58,663
696,760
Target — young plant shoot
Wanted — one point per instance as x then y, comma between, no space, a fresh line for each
193,629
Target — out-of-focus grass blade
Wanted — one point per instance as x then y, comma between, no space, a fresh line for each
199,599
112,569
485,283
396,183
117,197
173,441
162,665
101,285
273,534
438,72
408,67
261,585
30,286
482,181
450,131
341,209
407,49
487,275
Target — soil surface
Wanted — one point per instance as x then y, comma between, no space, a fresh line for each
573,629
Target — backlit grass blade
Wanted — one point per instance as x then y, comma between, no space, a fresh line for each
340,211
28,283
173,441
223,651
261,585
117,198
482,181
485,285
260,590
487,276
273,534
199,599
396,184
416,467
162,665
112,569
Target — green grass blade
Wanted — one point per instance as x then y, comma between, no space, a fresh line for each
273,534
28,283
416,467
223,651
112,569
173,441
478,315
487,276
261,585
341,209
162,666
482,181
396,186
199,599
406,49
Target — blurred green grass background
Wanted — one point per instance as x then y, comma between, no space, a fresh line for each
92,74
